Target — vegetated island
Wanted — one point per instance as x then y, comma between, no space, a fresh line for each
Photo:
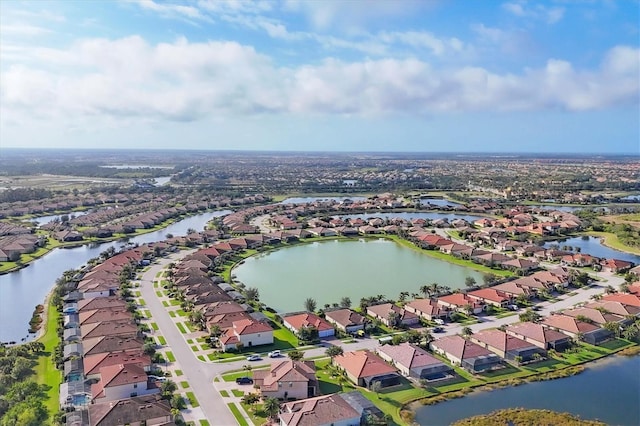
521,416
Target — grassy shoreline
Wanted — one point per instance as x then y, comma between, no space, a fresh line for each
46,372
611,240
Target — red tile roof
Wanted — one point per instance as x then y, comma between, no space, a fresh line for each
361,364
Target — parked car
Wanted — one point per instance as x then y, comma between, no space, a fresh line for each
244,380
438,329
512,307
157,378
254,358
439,321
275,354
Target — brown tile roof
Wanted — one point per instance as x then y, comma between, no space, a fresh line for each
500,340
362,364
101,303
569,324
105,314
247,326
321,410
307,319
594,315
118,375
460,347
96,345
129,411
383,311
345,317
536,332
615,307
93,363
285,371
409,355
489,294
109,328
626,299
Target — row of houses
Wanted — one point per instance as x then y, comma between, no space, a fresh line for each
13,246
105,364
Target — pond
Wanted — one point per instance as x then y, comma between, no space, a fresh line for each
415,215
329,270
594,247
440,202
42,220
304,200
608,390
22,290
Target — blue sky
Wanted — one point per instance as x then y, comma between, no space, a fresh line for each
461,76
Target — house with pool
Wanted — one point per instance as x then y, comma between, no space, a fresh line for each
413,361
465,353
296,321
364,368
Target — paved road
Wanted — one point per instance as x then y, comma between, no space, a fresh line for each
199,374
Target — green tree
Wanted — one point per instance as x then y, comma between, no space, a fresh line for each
167,389
466,331
149,349
251,399
271,407
177,401
345,302
295,355
469,281
333,351
251,294
530,315
425,290
310,304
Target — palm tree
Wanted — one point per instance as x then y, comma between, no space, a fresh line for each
310,304
435,289
426,290
466,331
295,355
167,388
469,281
271,407
403,296
251,294
345,302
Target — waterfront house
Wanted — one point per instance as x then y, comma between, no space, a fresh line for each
346,320
413,361
470,356
539,335
507,346
384,311
571,326
364,368
287,379
490,296
343,409
461,302
296,321
428,309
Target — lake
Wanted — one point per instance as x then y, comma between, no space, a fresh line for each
608,390
304,200
22,290
42,220
594,247
440,202
415,215
329,270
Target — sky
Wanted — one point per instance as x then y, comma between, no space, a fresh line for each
557,76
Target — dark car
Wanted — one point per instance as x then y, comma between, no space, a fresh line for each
438,329
244,380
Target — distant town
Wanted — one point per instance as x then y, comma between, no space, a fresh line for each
158,287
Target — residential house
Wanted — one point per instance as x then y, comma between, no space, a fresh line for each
506,346
364,368
598,316
246,332
539,335
413,361
616,308
149,410
490,296
465,353
616,266
346,320
296,321
121,381
522,266
624,298
461,302
571,326
287,379
343,409
428,309
384,312
93,363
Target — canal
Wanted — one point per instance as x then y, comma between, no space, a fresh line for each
329,270
608,390
22,290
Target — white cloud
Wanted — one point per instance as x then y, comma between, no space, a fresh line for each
171,10
183,81
521,8
23,30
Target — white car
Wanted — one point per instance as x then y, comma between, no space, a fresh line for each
253,358
438,321
275,354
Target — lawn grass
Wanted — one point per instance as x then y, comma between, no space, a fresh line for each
190,341
231,376
184,385
611,240
178,372
224,393
192,399
201,358
46,372
181,328
204,422
155,326
147,313
170,356
165,304
161,340
237,392
172,314
181,312
236,413
194,348
174,302
159,293
141,302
